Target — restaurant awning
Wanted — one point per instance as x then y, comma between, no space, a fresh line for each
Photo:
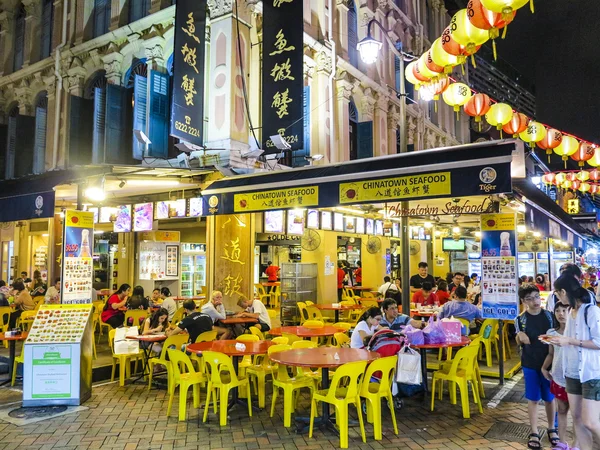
483,168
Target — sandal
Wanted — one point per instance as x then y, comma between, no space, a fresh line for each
554,441
534,441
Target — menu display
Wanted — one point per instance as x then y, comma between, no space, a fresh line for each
195,207
312,219
370,226
338,222
295,221
108,214
96,212
165,210
122,222
142,216
63,324
379,227
349,224
360,225
326,220
273,221
395,230
77,269
172,261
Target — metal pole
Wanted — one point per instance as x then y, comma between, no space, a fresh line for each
79,197
501,351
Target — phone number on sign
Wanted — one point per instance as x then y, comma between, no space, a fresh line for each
187,129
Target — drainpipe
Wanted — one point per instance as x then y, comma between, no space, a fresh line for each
59,85
332,124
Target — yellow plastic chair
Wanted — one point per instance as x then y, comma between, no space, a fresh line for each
261,293
98,306
4,320
137,317
489,338
313,323
192,378
309,303
368,303
207,336
18,360
374,392
223,377
341,340
304,371
275,296
367,294
302,311
26,318
177,341
280,340
257,373
179,315
464,323
304,344
124,360
247,338
445,367
292,338
256,332
461,374
246,360
348,375
314,313
289,385
345,325
272,313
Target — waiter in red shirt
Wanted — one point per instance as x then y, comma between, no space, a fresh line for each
272,273
341,274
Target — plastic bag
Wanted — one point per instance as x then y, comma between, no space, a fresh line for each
414,335
434,332
124,346
408,370
452,329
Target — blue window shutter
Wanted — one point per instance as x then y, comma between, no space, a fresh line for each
39,152
138,9
99,128
117,134
159,115
365,140
19,40
352,35
81,124
11,142
298,156
46,35
140,96
24,146
3,139
101,17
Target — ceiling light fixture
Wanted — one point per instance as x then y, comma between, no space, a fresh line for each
349,210
95,191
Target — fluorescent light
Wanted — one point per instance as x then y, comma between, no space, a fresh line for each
350,210
437,233
154,182
456,230
45,235
521,229
98,232
536,180
95,193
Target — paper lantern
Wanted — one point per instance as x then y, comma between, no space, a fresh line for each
594,189
409,75
431,65
552,140
571,176
595,162
583,175
457,95
433,89
424,70
575,185
450,46
567,147
499,115
418,74
585,187
483,18
560,178
465,33
505,7
584,153
478,106
549,178
442,58
534,132
594,174
518,123
566,184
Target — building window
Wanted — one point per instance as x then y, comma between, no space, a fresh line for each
46,32
101,17
352,34
96,90
138,9
19,48
39,147
137,78
353,127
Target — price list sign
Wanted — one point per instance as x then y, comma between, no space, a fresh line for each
499,283
77,263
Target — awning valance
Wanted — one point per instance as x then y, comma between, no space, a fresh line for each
445,172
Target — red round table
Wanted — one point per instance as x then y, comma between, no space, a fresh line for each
422,313
303,332
337,308
12,341
325,358
151,339
424,347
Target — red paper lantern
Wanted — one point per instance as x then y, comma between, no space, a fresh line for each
594,189
549,178
478,106
452,47
484,19
431,65
594,175
418,75
552,140
575,184
571,176
517,124
585,152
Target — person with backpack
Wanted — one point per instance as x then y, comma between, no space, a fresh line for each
581,361
573,271
530,325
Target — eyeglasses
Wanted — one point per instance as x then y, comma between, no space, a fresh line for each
531,297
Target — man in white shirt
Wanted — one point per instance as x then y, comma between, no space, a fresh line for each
257,310
387,286
216,311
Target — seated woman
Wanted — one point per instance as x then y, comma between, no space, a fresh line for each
156,324
366,327
111,313
23,302
138,300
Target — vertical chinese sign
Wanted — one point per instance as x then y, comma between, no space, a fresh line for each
282,75
77,264
499,284
187,111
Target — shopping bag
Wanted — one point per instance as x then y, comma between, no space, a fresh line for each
124,346
434,333
452,328
408,370
414,335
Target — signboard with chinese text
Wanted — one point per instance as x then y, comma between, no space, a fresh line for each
573,206
77,264
283,73
187,112
287,198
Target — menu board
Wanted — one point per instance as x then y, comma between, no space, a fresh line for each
395,230
122,222
338,222
326,220
379,227
295,221
143,216
96,212
312,219
107,214
370,226
273,221
499,283
59,324
77,268
172,261
195,207
360,225
349,224
167,209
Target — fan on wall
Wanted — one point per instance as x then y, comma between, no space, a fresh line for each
310,240
373,244
414,248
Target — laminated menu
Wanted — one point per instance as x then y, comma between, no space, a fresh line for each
59,324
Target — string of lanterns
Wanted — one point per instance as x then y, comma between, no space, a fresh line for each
583,181
470,28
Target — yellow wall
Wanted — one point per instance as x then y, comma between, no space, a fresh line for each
440,271
374,264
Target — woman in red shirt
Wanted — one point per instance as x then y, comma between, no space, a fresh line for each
111,313
341,274
442,293
358,274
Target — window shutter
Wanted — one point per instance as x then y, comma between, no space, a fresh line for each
81,123
140,95
352,35
24,146
138,9
118,131
39,151
3,139
101,17
47,13
159,115
11,142
365,140
99,125
298,156
19,40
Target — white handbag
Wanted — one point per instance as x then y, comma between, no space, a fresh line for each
408,370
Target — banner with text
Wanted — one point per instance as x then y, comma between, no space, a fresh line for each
283,73
499,283
77,264
187,107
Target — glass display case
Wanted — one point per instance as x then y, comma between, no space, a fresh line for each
298,284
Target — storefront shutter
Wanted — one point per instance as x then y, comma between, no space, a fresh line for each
118,131
365,140
11,142
159,115
24,146
39,151
81,123
99,127
140,96
46,38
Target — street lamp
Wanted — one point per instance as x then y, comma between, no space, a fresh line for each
369,49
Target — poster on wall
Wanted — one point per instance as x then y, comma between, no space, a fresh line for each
122,222
274,221
295,221
312,219
143,216
77,268
195,207
499,283
326,220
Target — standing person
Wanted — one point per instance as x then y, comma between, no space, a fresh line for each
416,281
216,310
155,324
366,327
539,282
168,302
272,273
111,314
358,274
53,293
341,274
581,362
531,324
554,372
23,302
195,322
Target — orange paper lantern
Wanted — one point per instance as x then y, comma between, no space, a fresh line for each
518,124
549,178
418,75
483,18
594,175
584,153
478,106
595,162
594,189
432,65
552,140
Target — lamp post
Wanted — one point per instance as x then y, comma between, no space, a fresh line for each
369,52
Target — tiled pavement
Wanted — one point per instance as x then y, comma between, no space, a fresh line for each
133,418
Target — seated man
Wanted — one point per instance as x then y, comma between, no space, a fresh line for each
394,320
460,308
195,323
216,311
257,310
426,296
387,288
